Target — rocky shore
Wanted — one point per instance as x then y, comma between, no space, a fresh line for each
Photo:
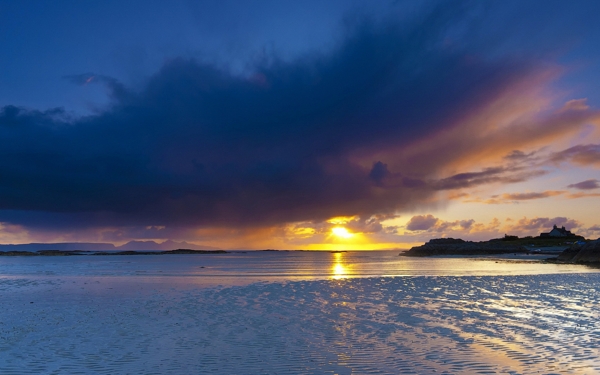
452,246
588,253
578,253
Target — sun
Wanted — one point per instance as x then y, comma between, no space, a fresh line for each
341,232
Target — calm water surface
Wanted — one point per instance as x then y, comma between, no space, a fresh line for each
297,313
242,268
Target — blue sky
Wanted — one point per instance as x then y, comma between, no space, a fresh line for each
268,123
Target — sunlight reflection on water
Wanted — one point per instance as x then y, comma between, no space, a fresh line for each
242,268
385,325
339,270
298,313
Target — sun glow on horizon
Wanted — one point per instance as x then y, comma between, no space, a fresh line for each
341,232
340,220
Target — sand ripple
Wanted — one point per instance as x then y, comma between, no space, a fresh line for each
410,325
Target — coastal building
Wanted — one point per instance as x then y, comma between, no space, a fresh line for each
558,232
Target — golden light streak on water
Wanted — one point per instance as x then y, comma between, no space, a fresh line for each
339,270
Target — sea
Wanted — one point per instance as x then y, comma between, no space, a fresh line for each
247,267
297,312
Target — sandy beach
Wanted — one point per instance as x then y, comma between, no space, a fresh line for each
513,324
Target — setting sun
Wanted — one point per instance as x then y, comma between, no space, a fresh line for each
341,232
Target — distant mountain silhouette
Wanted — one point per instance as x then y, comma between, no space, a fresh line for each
95,246
167,245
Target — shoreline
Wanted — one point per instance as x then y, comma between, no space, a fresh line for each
102,253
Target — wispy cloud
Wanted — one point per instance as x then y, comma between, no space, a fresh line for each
586,185
532,195
511,198
582,195
487,176
586,155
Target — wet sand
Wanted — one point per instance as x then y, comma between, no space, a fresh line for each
528,324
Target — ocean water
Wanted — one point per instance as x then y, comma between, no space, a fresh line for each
297,313
243,268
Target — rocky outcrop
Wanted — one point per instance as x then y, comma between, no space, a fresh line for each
568,254
582,254
451,246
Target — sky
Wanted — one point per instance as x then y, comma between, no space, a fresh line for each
298,125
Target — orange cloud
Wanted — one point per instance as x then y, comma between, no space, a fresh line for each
532,195
582,195
514,197
513,121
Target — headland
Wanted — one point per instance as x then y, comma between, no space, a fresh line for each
571,249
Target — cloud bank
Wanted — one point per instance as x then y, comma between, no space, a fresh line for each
382,123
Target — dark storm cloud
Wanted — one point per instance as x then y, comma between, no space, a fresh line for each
198,145
379,172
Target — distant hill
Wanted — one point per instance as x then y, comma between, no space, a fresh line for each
167,245
86,246
95,246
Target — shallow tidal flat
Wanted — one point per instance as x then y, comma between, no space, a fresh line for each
421,325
